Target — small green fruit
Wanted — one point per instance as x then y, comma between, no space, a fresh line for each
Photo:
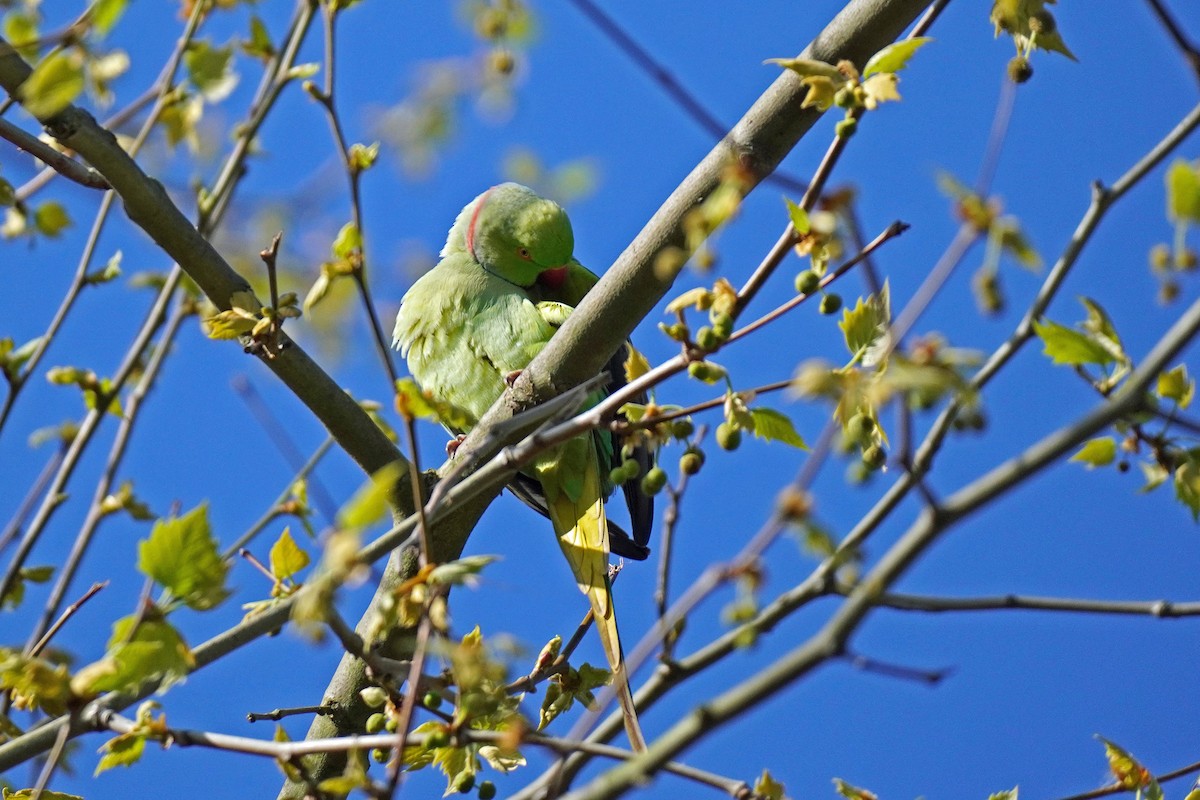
707,339
392,725
375,722
830,304
501,61
373,696
682,428
438,738
807,282
630,469
654,481
691,462
616,476
859,427
431,700
487,790
465,782
380,755
729,436
874,457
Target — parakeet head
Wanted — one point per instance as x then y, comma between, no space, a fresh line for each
513,233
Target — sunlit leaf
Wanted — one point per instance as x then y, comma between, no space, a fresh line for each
286,557
369,504
1098,452
775,426
895,57
1066,346
181,555
1175,385
1183,191
55,83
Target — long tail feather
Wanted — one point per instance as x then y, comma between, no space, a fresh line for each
584,540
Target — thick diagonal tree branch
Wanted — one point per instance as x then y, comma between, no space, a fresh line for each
631,287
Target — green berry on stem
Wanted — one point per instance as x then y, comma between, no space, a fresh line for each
654,481
375,722
830,304
729,436
691,462
807,282
874,457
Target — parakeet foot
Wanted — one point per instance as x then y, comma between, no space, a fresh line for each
452,445
511,378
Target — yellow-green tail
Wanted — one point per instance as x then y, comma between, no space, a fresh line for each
582,529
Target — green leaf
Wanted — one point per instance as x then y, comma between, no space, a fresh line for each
54,84
105,14
181,555
775,426
259,44
51,219
1187,485
806,67
122,751
460,572
1066,346
210,69
286,557
798,216
238,320
767,788
109,272
1011,794
34,682
866,324
1014,242
370,503
28,794
1176,386
154,651
362,156
1183,192
1099,452
1124,767
895,57
348,240
852,792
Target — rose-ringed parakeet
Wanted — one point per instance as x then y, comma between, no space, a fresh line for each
506,281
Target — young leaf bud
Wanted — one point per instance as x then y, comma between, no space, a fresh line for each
706,339
846,127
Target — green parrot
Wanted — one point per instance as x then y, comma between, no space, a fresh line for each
507,279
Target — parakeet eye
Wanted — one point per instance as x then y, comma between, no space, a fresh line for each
523,253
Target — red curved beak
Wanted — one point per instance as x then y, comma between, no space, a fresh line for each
553,278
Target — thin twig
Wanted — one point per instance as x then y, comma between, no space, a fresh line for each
61,163
66,615
645,61
1118,788
1189,51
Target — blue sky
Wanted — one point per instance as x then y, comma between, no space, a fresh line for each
1028,689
